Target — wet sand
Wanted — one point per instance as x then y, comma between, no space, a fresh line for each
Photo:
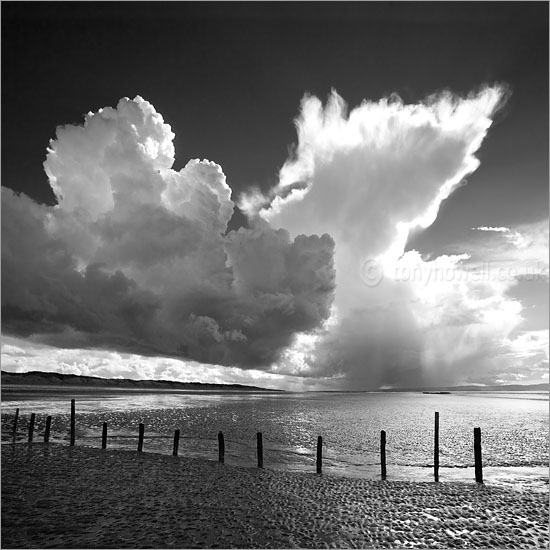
55,496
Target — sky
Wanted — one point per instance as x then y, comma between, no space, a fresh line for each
293,195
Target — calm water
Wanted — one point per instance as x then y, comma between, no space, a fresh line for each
514,428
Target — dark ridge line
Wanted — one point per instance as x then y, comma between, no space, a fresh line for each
50,378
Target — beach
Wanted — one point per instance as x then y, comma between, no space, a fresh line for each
56,496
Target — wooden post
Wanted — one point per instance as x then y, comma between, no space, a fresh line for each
477,455
104,436
72,422
176,442
383,453
15,422
260,448
436,447
48,427
221,448
31,427
140,439
319,454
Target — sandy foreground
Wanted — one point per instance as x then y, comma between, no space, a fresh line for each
55,496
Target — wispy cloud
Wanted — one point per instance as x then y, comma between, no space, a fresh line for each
522,237
494,229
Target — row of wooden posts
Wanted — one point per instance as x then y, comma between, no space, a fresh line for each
259,444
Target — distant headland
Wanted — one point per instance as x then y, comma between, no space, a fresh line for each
38,378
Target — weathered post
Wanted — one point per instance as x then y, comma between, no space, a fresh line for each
72,422
104,436
319,454
176,442
383,453
221,448
15,422
260,448
31,427
436,447
48,427
140,439
477,455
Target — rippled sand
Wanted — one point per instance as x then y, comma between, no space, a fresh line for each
61,497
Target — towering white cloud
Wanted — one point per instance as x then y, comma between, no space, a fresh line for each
135,255
367,178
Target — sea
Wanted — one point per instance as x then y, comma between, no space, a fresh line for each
514,429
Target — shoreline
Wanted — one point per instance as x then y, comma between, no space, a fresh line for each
530,478
55,496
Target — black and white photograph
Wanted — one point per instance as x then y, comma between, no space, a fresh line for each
274,274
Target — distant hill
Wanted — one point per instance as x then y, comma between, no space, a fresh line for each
38,378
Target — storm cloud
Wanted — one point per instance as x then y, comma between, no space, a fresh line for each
136,256
318,291
369,177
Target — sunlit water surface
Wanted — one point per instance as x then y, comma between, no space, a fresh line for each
514,428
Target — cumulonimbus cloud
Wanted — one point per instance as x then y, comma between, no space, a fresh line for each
135,255
368,177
